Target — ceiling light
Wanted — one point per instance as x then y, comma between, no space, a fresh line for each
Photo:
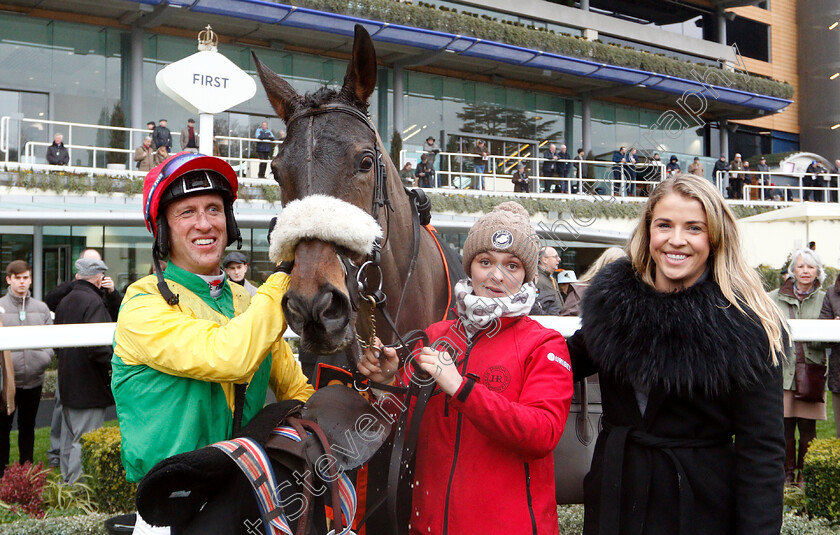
833,26
836,126
833,76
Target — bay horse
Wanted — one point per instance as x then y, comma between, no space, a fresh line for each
332,148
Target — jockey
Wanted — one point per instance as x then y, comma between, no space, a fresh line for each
192,350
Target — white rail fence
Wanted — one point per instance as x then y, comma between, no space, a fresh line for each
95,334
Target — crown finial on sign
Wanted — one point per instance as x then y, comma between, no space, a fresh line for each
207,39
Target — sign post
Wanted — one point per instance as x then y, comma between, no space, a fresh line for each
206,83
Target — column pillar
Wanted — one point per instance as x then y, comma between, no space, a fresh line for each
38,262
399,91
136,82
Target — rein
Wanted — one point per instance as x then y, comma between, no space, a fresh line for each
358,281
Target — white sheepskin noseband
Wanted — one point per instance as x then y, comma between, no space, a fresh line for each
325,218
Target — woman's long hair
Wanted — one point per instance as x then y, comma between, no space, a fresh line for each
739,283
609,256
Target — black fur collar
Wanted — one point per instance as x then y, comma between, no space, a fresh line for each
688,341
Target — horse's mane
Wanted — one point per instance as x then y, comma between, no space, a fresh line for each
325,95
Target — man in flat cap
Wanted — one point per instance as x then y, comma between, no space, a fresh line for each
84,373
236,267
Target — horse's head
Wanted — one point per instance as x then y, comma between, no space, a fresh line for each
331,149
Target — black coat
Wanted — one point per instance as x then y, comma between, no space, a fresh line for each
705,365
112,300
84,373
57,154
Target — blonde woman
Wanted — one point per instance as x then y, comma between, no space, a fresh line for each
800,297
571,305
688,348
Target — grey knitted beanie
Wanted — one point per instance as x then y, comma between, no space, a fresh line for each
507,229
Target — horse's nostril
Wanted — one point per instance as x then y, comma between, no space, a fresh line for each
293,309
332,308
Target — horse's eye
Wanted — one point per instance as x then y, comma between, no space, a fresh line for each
366,164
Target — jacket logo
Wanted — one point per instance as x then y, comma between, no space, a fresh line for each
502,239
554,358
496,378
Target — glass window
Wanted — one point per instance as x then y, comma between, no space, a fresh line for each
752,37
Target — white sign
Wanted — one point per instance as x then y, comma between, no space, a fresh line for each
206,82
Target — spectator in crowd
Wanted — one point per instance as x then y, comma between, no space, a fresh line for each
551,168
425,173
619,169
159,156
763,179
520,179
673,167
749,178
169,359
812,245
19,308
150,126
189,138
235,265
479,162
831,311
814,180
736,181
721,175
162,137
506,385
800,297
632,160
144,155
564,282
580,167
112,299
264,146
57,153
431,148
696,168
688,354
549,299
407,175
571,305
833,181
84,373
564,169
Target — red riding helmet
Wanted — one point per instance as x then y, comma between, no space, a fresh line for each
182,175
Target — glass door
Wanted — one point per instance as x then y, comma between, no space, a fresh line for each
29,105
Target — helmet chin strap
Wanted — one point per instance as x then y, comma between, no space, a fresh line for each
170,298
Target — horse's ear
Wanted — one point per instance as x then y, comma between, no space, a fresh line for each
282,96
360,80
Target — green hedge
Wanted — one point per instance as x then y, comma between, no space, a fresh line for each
101,461
822,478
583,209
483,27
92,524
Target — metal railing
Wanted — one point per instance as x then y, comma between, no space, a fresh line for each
238,148
604,177
767,188
95,334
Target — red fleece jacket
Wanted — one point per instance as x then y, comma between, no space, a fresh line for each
484,456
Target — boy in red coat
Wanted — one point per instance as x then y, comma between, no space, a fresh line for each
504,386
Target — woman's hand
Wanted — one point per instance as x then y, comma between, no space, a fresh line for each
379,370
441,367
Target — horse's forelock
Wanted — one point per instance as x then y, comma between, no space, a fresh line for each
325,95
